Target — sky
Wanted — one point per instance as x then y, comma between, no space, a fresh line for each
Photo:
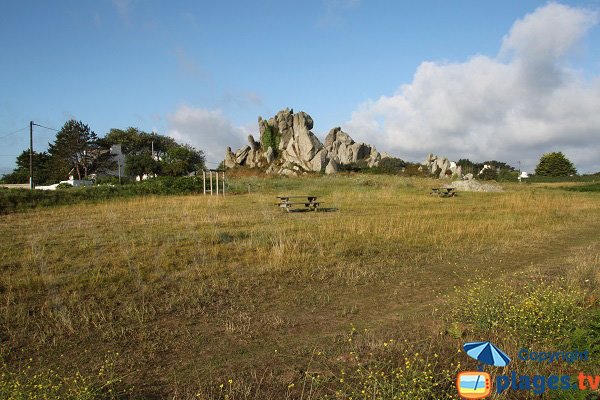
503,80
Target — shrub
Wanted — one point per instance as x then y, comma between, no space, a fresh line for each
353,167
489,174
390,166
62,186
20,199
506,175
270,138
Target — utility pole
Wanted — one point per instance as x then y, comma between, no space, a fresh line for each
30,155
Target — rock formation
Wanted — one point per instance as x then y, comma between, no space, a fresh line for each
442,167
288,147
344,150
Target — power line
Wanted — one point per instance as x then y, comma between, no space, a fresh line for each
14,132
42,126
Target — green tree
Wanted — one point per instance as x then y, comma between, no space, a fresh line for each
74,150
132,140
182,160
555,164
21,173
142,163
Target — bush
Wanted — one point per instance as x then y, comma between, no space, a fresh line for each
12,200
113,180
390,166
489,174
270,138
506,175
62,186
353,167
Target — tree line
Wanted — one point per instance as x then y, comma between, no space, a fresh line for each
77,151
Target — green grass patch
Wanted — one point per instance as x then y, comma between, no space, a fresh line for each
595,187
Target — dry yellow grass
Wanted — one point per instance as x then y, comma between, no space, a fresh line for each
193,289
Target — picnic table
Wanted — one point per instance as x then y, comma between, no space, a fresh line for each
287,202
443,192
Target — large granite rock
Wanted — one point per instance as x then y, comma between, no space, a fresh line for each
332,167
441,167
287,146
344,150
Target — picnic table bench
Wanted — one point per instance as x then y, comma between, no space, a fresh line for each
443,192
287,202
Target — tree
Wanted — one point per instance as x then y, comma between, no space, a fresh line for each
142,163
182,160
21,173
555,164
74,150
132,140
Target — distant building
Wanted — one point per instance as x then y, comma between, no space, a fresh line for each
524,175
119,158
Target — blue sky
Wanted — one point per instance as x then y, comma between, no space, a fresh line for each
203,71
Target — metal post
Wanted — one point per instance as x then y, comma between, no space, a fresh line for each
30,155
223,183
204,180
217,182
210,173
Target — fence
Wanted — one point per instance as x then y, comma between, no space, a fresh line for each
211,181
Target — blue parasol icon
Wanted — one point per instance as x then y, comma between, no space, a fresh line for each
486,353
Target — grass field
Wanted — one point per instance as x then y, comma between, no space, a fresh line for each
203,297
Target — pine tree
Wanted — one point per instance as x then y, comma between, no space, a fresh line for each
74,150
555,164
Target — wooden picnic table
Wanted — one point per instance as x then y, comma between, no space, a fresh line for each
443,192
287,202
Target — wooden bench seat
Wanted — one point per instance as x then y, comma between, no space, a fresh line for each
443,192
312,204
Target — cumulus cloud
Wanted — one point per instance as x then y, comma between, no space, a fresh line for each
207,130
512,107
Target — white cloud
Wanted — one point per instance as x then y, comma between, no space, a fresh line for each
207,130
516,106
